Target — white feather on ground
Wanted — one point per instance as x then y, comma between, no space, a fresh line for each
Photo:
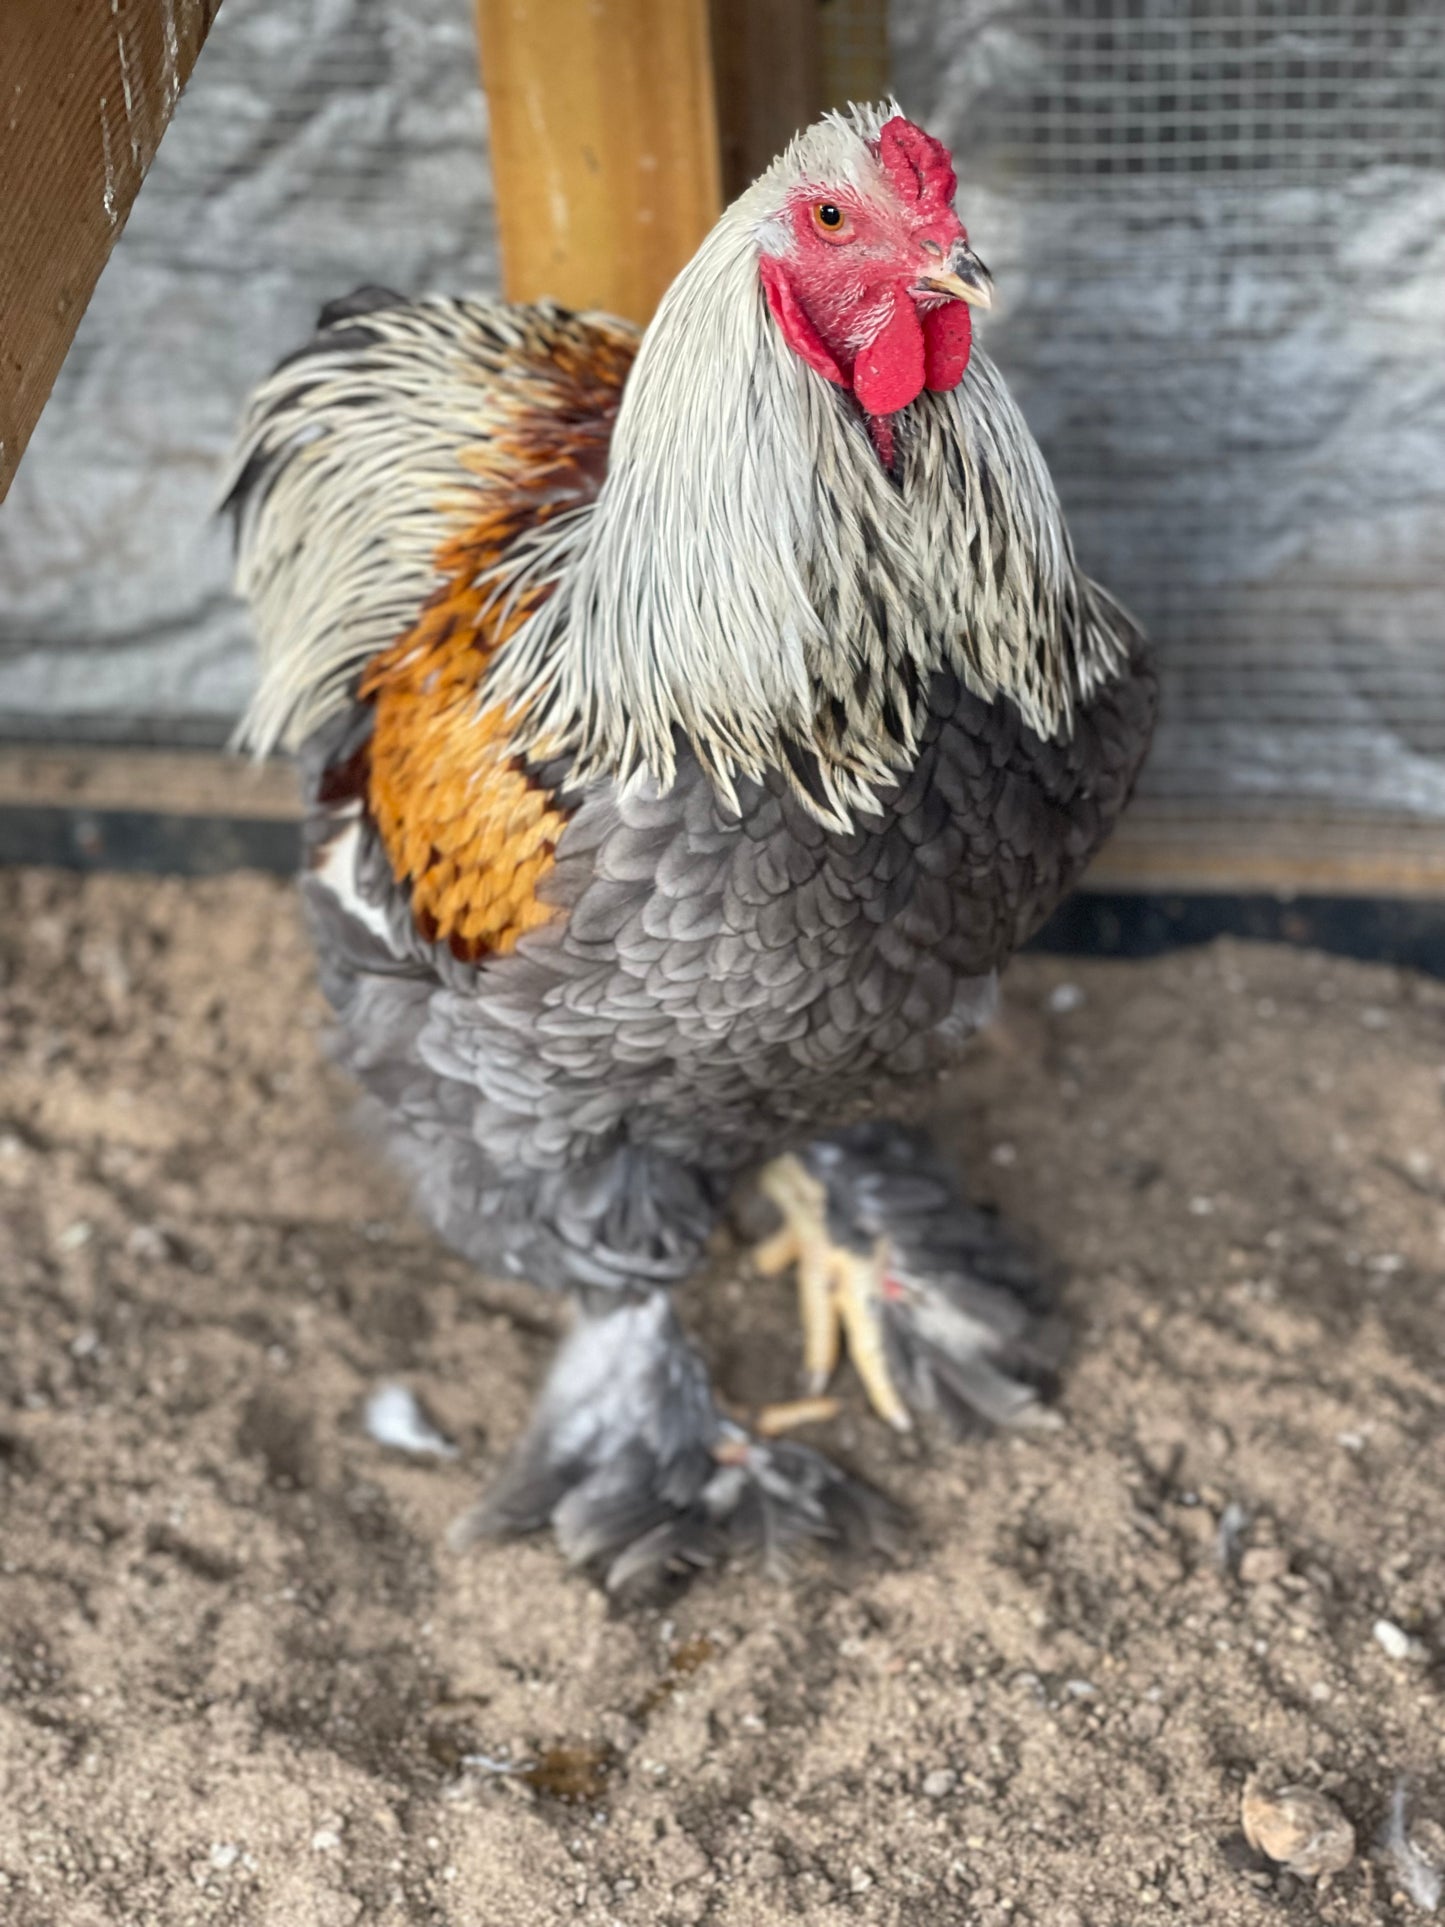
394,1418
1417,1873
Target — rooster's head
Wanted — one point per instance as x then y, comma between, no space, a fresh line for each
866,267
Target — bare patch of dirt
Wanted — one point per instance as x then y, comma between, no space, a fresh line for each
242,1679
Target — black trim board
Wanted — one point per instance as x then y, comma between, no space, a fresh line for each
149,840
1409,931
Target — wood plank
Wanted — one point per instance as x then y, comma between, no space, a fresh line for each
164,782
768,64
88,89
1154,849
854,44
603,145
1271,854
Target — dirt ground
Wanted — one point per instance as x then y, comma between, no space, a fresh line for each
243,1680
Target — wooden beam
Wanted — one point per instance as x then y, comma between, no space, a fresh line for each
854,47
166,782
603,143
768,62
1155,849
87,88
1278,852
780,63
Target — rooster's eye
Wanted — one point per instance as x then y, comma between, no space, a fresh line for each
828,217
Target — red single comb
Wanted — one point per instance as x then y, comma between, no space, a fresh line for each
920,167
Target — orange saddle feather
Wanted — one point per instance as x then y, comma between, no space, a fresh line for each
468,828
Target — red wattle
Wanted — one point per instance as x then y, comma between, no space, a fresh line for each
909,352
947,344
889,372
798,330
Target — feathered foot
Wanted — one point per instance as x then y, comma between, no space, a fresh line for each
630,1461
936,1306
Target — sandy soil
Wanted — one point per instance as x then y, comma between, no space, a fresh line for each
242,1679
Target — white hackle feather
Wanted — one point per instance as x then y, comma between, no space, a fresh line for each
749,578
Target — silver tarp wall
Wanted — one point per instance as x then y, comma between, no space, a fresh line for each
1219,235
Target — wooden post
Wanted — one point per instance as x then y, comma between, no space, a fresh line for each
854,43
86,90
768,59
604,145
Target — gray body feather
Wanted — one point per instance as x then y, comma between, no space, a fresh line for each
715,987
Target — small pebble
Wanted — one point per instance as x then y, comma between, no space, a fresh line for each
325,1840
938,1784
1233,1523
1395,1642
146,1241
1261,1564
224,1856
1146,1722
1065,997
1296,1827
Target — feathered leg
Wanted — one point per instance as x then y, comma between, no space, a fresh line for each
938,1309
630,1461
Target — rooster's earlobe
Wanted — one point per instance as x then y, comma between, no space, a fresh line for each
798,330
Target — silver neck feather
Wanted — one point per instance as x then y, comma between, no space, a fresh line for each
752,580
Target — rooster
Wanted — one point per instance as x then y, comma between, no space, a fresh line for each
691,724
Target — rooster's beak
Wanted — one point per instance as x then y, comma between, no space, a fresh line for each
966,278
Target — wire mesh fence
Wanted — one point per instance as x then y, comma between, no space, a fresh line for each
1219,240
1219,237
